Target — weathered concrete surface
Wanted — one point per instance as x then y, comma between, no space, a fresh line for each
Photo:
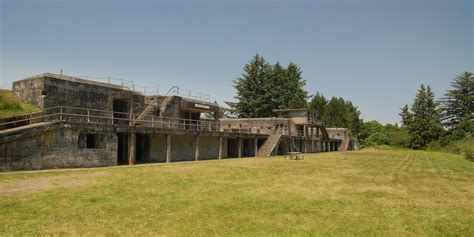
49,90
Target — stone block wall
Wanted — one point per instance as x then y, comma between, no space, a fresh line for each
56,149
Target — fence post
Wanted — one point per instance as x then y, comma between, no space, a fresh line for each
30,118
61,113
88,116
169,123
152,121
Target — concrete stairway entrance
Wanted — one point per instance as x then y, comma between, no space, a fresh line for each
269,145
344,145
150,110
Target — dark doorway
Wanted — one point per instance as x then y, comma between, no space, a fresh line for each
122,149
120,108
248,148
232,148
142,151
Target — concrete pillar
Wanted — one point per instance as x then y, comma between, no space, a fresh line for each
312,132
220,149
255,146
196,148
239,147
131,148
305,132
304,145
168,148
312,145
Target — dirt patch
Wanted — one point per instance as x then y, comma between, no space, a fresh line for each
33,185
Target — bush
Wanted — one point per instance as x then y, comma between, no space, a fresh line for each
376,138
400,138
464,147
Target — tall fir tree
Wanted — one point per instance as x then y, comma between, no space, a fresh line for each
263,88
318,103
458,103
424,120
337,113
406,116
254,99
297,96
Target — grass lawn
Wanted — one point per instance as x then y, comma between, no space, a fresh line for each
369,192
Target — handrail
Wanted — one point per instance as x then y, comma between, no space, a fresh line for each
95,116
195,95
172,90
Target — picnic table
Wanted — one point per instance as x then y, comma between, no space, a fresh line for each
294,156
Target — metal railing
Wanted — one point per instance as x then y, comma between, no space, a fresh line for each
195,95
146,90
94,116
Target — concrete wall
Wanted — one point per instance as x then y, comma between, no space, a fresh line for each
208,147
56,149
23,154
59,149
182,148
157,148
254,125
50,90
30,91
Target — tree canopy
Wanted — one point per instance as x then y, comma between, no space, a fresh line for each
264,87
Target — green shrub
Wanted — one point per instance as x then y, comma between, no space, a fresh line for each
376,138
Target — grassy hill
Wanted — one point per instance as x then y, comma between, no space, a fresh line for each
11,105
368,192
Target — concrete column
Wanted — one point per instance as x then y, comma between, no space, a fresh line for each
239,147
312,132
312,145
196,148
305,132
131,148
304,146
168,148
220,149
255,146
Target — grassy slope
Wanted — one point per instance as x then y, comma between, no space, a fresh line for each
369,192
10,105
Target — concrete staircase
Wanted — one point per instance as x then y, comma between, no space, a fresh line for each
153,106
344,144
269,145
166,102
148,111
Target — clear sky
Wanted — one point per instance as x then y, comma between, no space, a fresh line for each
374,53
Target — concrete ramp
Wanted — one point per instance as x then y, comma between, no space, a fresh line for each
267,148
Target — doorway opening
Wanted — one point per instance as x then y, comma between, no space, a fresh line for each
122,149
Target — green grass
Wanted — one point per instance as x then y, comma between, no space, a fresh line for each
11,105
368,192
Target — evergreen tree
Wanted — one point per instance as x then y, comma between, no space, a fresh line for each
253,90
294,84
318,103
458,104
407,117
263,88
424,119
337,113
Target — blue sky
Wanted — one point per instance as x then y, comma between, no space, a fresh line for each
374,53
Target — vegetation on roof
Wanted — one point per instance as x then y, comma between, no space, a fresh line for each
12,105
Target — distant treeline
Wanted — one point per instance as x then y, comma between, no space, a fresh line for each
264,87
